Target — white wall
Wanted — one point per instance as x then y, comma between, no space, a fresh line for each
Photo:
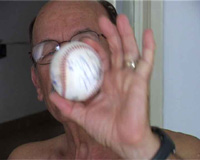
182,66
17,94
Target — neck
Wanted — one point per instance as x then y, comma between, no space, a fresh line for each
84,146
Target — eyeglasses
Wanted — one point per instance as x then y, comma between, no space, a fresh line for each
43,52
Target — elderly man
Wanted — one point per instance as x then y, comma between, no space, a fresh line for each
115,122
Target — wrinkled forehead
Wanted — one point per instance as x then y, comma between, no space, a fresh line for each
58,20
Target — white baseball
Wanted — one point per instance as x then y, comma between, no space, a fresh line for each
76,71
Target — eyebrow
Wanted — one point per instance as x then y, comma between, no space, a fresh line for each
78,32
81,31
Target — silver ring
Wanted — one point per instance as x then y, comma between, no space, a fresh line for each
130,64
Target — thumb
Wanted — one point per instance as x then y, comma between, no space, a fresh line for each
74,111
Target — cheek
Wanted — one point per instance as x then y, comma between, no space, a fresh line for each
45,78
45,83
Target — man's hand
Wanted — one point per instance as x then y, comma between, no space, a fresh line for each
118,116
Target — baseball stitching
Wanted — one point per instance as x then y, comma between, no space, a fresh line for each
63,67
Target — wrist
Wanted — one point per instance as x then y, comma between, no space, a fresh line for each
145,149
156,146
167,145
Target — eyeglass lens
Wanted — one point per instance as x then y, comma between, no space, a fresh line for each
46,50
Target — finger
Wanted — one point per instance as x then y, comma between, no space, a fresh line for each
145,64
129,44
148,40
114,41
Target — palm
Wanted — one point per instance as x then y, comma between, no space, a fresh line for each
113,112
119,113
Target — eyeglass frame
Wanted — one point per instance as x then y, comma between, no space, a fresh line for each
59,44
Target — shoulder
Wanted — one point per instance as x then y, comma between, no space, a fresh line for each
26,151
35,150
187,146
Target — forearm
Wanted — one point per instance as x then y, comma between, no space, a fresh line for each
174,156
187,146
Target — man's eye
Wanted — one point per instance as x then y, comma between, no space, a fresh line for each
51,53
48,56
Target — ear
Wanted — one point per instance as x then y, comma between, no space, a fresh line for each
36,82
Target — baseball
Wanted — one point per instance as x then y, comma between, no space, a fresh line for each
76,71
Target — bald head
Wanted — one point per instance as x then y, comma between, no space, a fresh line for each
67,16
